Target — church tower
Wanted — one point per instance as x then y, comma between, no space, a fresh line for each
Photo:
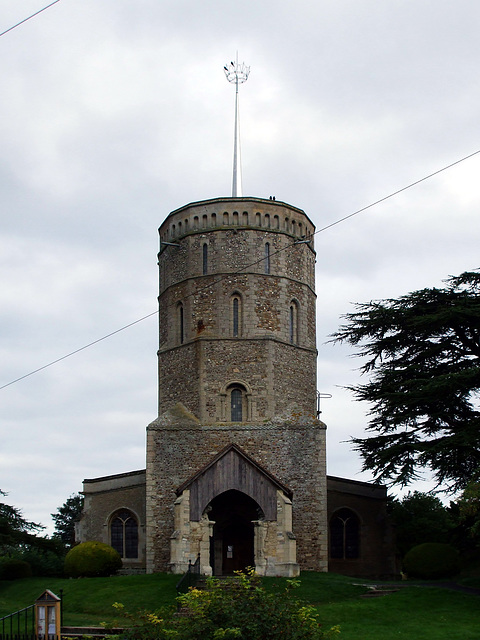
236,471
236,462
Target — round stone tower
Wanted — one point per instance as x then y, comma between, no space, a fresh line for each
236,458
237,310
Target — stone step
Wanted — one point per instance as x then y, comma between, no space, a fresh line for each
133,571
91,632
376,593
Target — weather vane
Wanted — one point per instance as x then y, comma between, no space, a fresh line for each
236,74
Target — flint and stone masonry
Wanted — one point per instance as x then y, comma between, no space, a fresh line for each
237,368
236,468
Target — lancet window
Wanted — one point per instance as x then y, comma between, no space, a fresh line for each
124,534
344,535
205,259
267,257
236,315
180,323
293,322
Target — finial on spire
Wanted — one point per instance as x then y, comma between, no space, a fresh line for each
236,74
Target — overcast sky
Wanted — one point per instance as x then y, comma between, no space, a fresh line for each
114,113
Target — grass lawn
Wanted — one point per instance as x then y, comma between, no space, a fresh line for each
88,601
418,613
413,613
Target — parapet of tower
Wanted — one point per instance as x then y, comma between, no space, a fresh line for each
237,311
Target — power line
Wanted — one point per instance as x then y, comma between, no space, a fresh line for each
72,353
29,18
395,193
211,283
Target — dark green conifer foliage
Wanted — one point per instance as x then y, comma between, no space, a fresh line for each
468,506
66,517
15,530
422,354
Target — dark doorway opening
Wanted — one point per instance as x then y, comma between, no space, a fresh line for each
232,543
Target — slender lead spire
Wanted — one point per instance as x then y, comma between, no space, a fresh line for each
236,74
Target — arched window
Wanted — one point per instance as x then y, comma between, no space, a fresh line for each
180,323
205,259
236,404
293,322
267,220
267,257
344,535
236,315
124,534
204,221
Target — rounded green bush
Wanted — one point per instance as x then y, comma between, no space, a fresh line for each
13,569
92,559
432,560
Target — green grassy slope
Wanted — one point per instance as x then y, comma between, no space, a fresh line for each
423,613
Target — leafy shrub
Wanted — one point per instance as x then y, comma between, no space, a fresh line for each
420,517
44,563
92,559
235,608
14,568
432,560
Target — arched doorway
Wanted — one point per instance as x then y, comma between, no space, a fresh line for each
232,543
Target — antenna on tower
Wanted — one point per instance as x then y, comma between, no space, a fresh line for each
236,74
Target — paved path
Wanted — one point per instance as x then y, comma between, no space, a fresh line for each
439,585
